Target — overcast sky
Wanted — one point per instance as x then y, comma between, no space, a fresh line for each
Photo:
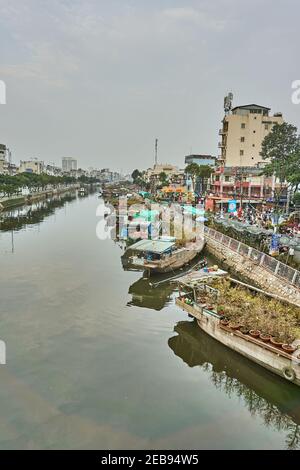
99,80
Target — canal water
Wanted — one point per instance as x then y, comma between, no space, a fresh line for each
98,359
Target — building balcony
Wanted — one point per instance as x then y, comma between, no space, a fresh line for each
221,145
222,131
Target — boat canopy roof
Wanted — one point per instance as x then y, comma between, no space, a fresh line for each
153,246
195,278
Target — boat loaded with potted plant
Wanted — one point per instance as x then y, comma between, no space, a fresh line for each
264,329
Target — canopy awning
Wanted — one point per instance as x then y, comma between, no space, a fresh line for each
153,246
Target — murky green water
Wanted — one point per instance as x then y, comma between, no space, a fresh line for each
97,359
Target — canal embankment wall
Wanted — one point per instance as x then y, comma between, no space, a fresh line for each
16,201
254,266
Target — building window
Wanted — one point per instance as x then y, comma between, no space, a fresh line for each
254,132
243,125
227,178
241,153
266,127
242,139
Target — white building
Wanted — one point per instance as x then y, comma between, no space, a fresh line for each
69,164
32,166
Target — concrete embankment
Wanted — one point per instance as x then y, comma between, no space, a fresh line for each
10,203
252,272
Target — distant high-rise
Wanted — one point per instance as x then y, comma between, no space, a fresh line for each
69,164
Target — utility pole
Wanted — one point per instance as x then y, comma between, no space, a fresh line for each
156,142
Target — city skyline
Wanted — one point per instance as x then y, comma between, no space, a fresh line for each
62,63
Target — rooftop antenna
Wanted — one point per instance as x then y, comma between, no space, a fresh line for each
156,142
228,103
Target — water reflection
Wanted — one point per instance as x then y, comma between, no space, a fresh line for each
33,214
264,394
145,295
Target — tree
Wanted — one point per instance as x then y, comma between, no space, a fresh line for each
281,147
136,174
296,199
163,178
204,173
192,169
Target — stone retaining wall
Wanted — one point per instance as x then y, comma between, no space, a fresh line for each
252,272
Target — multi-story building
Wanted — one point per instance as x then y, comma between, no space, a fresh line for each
69,164
244,129
201,160
3,161
173,173
52,170
244,184
32,166
6,167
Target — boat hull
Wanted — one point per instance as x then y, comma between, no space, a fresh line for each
266,356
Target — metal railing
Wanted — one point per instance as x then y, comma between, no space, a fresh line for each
283,271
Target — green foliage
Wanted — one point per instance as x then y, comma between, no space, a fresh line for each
163,177
136,174
11,185
192,169
281,147
296,199
201,172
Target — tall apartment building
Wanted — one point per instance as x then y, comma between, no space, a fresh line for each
244,129
69,164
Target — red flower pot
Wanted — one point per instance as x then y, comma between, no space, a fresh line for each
288,348
276,342
265,338
254,333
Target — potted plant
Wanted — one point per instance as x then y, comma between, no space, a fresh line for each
245,329
288,348
254,333
221,310
234,325
276,341
265,337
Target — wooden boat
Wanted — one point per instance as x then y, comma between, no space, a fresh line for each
161,255
266,355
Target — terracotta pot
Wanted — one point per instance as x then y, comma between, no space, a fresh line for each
234,326
244,330
265,337
254,333
288,348
276,342
224,322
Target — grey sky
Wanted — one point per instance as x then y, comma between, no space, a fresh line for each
99,80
